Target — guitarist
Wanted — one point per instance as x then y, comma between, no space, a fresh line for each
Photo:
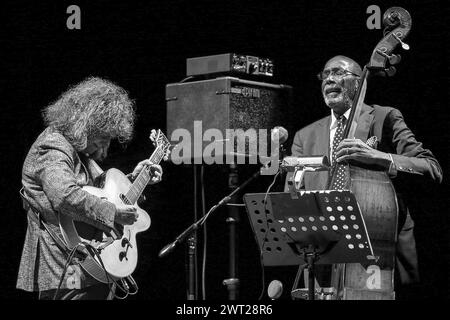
80,127
396,150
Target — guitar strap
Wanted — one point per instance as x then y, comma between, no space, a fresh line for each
93,168
95,171
35,216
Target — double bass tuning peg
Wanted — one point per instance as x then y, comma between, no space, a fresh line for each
405,46
393,59
387,72
390,71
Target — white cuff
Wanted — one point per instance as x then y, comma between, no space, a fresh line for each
392,167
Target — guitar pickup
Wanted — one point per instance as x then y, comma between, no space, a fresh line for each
105,243
114,234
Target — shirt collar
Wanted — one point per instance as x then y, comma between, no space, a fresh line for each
333,123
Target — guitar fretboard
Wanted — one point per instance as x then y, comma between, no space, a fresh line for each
143,178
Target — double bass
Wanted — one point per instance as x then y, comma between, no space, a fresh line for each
372,187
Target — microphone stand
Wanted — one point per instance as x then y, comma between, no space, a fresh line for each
231,283
168,248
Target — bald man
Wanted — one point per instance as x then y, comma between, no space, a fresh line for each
397,151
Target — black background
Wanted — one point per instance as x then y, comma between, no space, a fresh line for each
143,45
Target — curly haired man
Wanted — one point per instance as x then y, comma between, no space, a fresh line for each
80,126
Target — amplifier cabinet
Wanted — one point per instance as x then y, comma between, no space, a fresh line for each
225,103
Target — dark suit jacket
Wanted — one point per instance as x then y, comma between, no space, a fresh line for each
393,137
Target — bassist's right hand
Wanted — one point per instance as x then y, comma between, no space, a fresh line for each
125,215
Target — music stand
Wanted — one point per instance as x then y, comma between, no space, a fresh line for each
318,227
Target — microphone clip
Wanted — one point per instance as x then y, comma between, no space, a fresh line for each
301,165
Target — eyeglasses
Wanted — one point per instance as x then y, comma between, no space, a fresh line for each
337,72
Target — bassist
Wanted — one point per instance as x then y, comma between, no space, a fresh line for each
395,150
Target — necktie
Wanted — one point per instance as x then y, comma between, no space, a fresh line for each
340,181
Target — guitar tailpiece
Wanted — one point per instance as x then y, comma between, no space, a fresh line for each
125,287
125,290
133,284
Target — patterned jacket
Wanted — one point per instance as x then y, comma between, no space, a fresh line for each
53,175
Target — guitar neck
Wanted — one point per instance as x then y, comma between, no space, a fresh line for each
144,176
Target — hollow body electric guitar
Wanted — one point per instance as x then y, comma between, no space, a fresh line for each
116,251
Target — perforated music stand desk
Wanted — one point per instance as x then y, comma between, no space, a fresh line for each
325,223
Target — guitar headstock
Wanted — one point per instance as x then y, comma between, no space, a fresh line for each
160,141
397,22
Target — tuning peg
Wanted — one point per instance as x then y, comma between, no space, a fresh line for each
390,71
394,59
387,72
153,136
405,46
380,73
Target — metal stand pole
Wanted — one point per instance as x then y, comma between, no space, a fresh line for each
191,272
232,282
311,277
192,276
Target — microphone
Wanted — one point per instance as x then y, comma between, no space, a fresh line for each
316,162
279,135
282,134
271,164
167,249
275,289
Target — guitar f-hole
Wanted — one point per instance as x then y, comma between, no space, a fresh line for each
127,243
123,255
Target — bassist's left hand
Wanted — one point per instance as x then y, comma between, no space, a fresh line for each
155,171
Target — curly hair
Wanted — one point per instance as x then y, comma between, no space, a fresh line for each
94,107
